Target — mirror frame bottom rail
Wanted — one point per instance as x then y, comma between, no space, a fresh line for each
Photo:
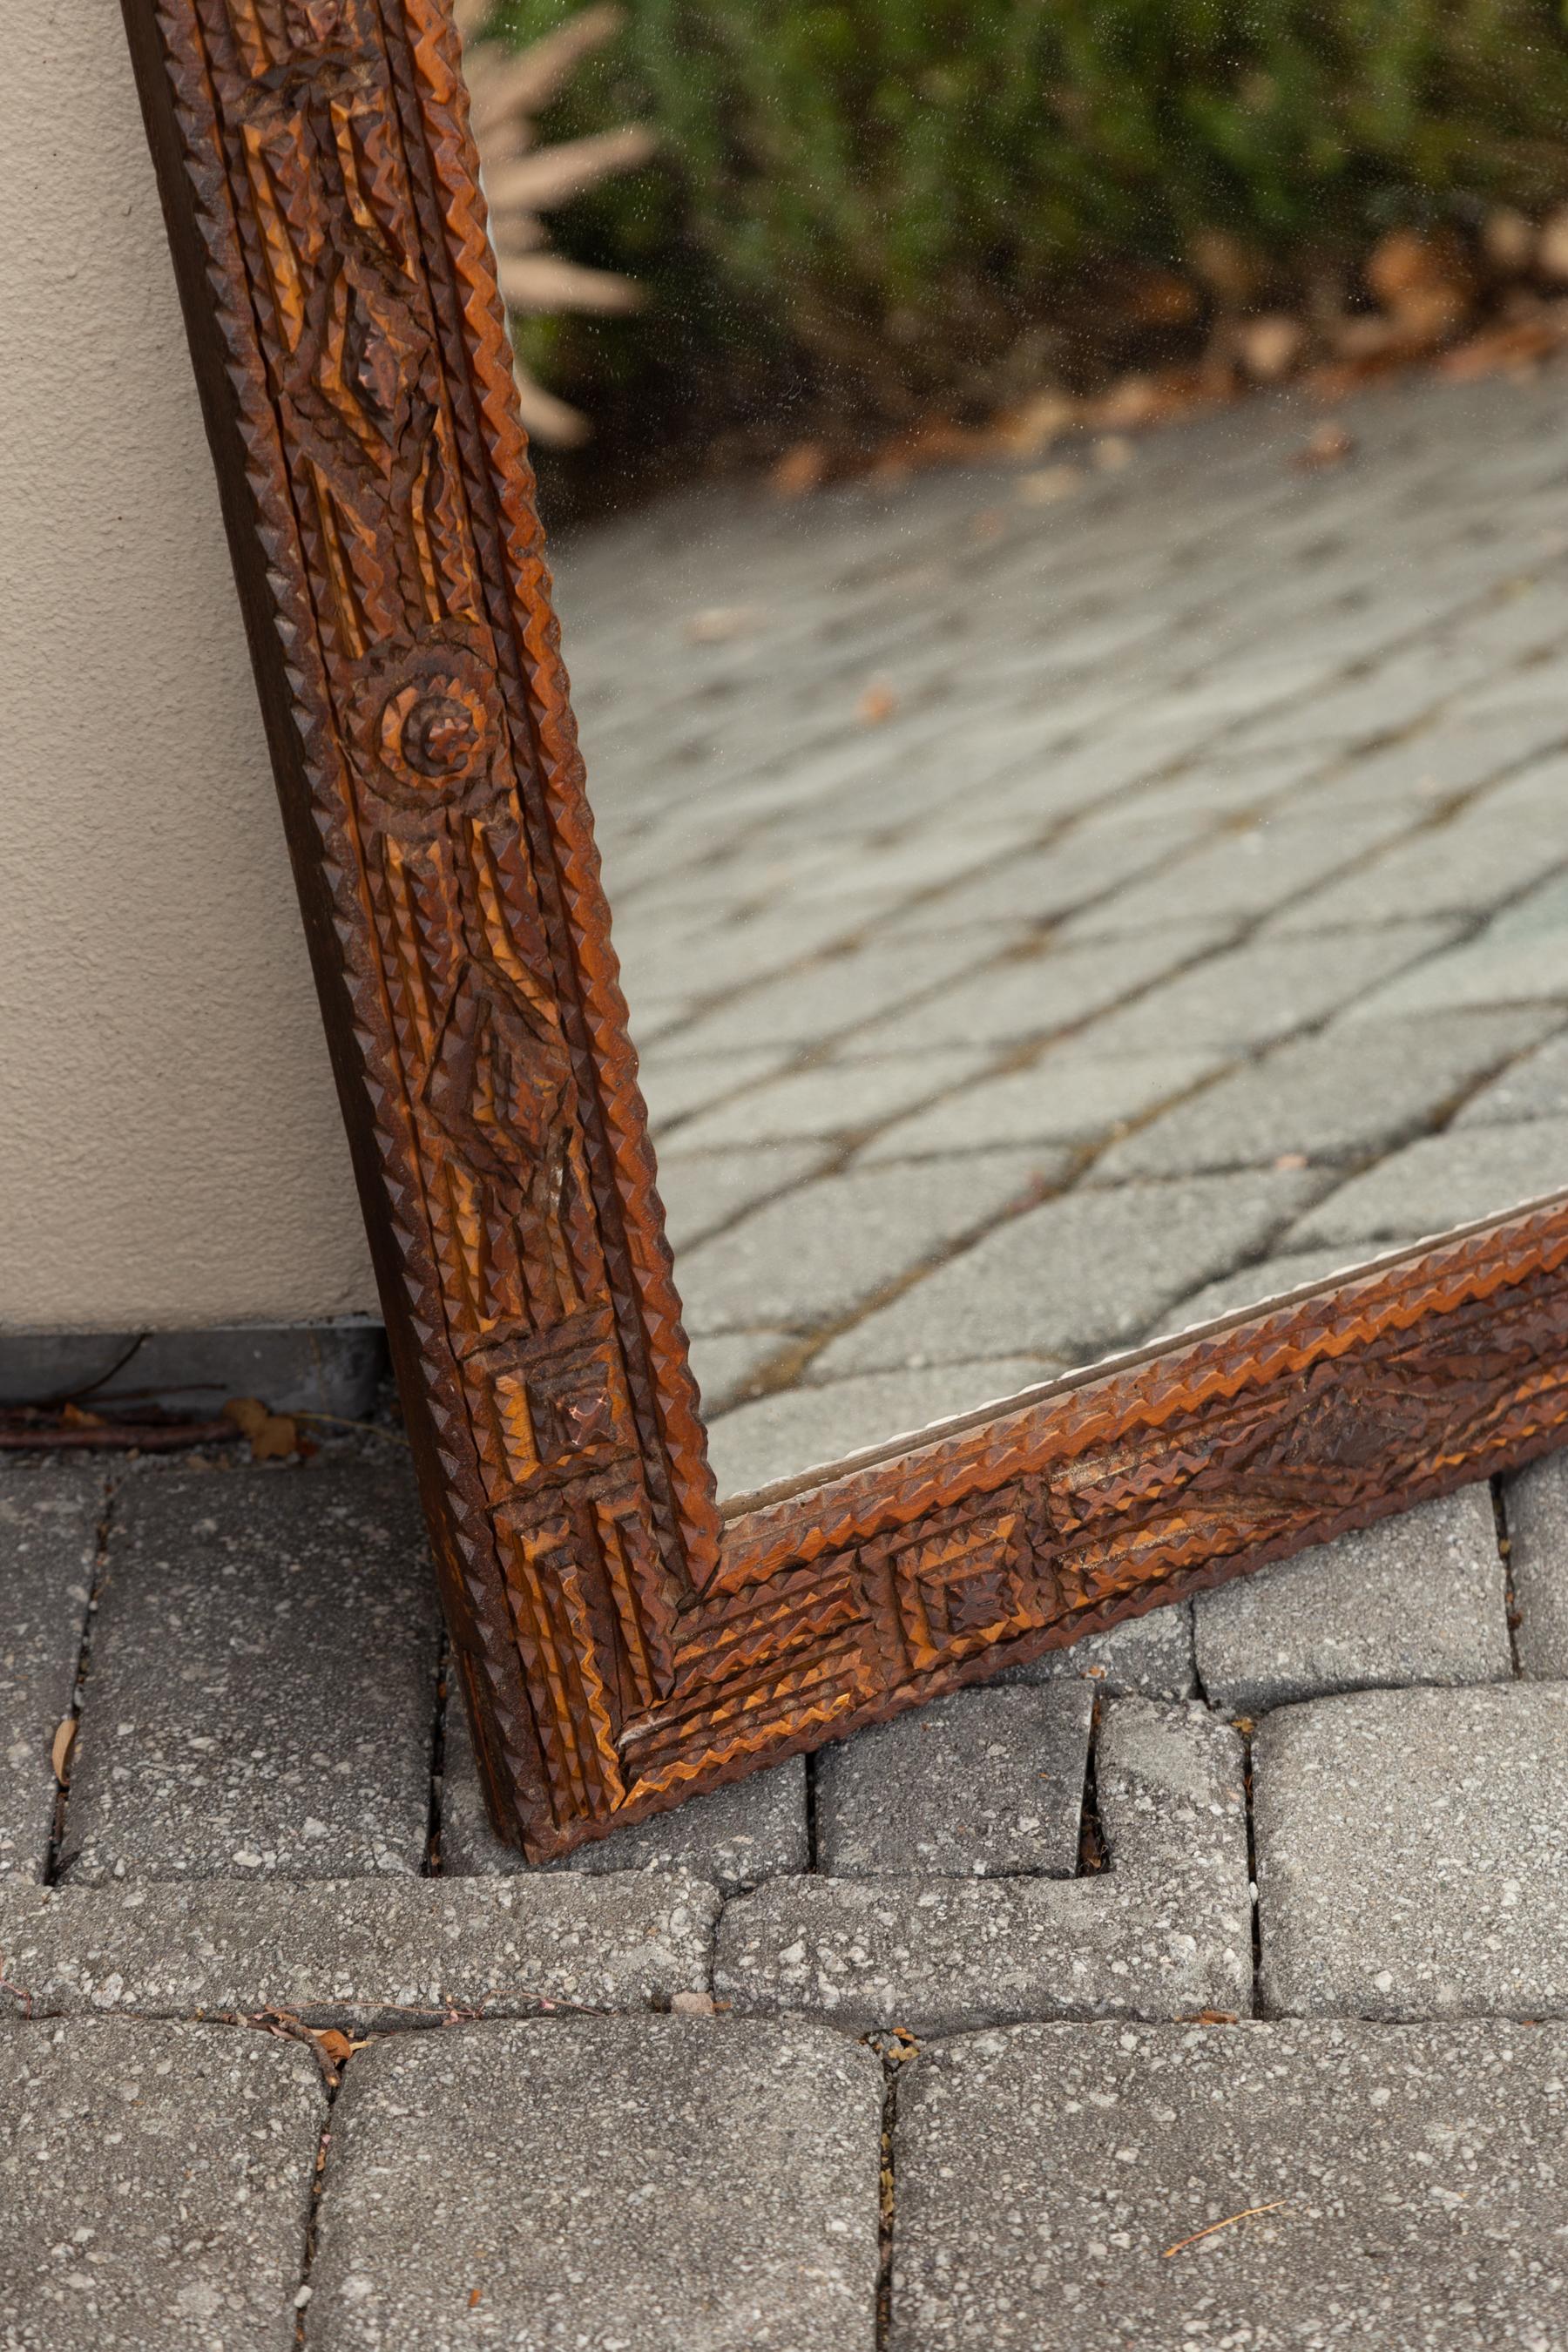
623,1644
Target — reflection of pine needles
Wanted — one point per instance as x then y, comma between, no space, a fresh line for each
508,88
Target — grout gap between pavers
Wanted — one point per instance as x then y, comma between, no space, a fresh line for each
442,1701
52,1860
1505,1553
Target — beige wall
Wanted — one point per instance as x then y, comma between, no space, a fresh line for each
170,1150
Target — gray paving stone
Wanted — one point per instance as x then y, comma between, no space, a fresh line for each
1536,1087
1347,1092
833,1098
1269,989
665,2184
1151,1656
1413,1853
735,1836
1442,1181
261,1693
702,1191
806,1259
1246,872
800,1428
1414,2175
1164,1932
154,2187
1535,1509
1067,1096
1034,994
1419,1598
48,1542
363,1953
981,1784
1078,1274
1251,1286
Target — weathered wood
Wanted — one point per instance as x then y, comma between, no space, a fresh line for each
621,1645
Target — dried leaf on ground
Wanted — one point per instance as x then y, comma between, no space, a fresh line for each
273,1436
60,1750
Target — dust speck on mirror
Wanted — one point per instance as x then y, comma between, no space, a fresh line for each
1063,564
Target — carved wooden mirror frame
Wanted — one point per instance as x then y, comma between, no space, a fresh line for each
624,1642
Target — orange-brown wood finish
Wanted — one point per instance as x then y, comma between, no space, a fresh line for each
621,1643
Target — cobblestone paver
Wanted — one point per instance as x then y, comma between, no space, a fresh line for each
1419,1598
1413,1853
262,1681
154,2186
1044,925
984,1784
1396,2188
665,2183
1165,1931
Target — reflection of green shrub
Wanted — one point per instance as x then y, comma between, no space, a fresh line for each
906,203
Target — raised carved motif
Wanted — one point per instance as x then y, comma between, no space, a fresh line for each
620,1648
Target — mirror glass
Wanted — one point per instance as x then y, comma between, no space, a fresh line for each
1093,852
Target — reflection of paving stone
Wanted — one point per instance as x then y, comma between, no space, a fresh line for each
1245,873
701,1190
1058,880
1414,2175
1413,1853
48,1541
779,1435
1419,1598
734,1836
1535,1506
157,2186
263,1680
808,1258
675,1088
1065,1098
660,2183
838,993
1251,1284
1164,1933
1442,1181
1490,969
1034,994
369,1953
1077,1274
1536,1087
982,1784
1466,867
1149,1655
724,1364
835,1098
1265,990
1351,1091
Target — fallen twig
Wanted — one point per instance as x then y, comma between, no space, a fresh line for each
1247,2214
19,1436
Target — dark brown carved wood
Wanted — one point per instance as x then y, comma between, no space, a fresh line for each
621,1645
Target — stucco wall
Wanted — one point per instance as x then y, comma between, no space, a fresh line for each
170,1150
